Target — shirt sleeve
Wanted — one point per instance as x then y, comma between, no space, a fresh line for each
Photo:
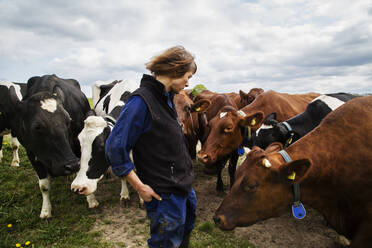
134,120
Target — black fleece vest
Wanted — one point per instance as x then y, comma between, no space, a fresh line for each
160,155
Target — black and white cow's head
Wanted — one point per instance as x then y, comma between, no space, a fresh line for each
93,163
270,131
43,127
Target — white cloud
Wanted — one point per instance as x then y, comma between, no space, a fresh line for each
289,46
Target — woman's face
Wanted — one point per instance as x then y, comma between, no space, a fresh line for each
179,84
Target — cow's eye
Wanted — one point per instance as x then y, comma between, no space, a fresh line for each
38,128
250,186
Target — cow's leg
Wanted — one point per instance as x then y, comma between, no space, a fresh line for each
44,184
46,209
124,194
92,201
141,202
1,148
219,186
15,146
232,167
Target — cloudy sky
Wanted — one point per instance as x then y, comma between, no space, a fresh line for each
286,45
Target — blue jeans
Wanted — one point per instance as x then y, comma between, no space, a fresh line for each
171,219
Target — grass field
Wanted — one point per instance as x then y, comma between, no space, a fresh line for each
72,221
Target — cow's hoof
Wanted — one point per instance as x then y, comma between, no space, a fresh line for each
15,164
45,215
93,204
124,202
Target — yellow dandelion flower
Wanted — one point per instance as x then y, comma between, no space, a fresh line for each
18,245
10,225
27,243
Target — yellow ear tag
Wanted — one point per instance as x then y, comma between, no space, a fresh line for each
290,140
54,94
253,121
197,109
292,176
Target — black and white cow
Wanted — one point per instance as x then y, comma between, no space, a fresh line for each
6,115
48,121
97,127
293,129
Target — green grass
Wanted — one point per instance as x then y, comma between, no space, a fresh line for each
20,205
206,235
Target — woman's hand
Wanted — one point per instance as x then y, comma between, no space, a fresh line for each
145,191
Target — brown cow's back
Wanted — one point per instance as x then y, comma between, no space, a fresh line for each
290,104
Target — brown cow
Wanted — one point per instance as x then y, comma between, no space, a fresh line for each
333,168
226,127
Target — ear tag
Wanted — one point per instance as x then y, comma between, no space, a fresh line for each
222,114
290,140
298,210
54,94
253,121
292,176
197,109
241,151
240,112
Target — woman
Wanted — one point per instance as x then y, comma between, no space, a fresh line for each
149,127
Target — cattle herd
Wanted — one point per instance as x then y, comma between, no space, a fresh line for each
304,149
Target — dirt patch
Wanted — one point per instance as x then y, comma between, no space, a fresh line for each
128,226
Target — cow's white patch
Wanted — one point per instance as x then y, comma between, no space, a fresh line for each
241,113
263,126
332,102
93,126
49,105
115,94
46,209
16,87
222,114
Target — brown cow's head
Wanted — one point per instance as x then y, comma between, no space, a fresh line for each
226,133
261,190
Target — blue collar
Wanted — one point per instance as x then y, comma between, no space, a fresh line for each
298,210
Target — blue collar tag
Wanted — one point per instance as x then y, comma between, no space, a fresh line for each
241,151
298,210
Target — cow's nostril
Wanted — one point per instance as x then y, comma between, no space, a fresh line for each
217,220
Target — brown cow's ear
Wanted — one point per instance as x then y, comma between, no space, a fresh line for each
295,170
200,106
274,147
254,121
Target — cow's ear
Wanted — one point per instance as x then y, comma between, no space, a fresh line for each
58,92
14,102
200,106
274,147
295,171
254,121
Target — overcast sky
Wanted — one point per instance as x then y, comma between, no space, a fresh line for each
286,45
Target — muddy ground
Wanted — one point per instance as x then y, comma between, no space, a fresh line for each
127,226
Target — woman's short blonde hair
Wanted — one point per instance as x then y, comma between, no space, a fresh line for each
173,62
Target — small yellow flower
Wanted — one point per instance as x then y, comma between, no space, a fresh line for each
18,245
27,243
10,225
